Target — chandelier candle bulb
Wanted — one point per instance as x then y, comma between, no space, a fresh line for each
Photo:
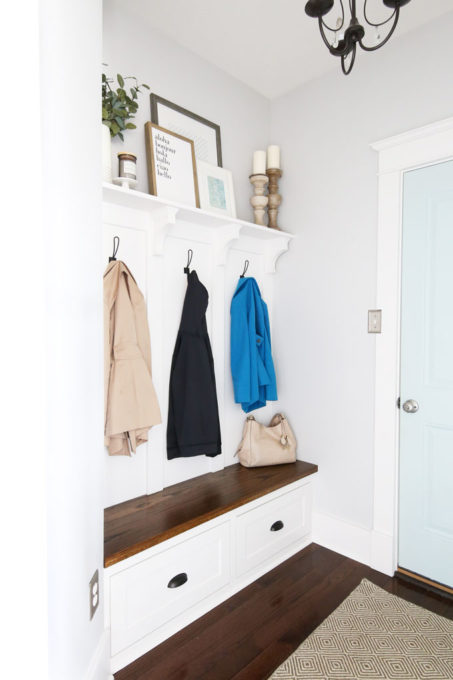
273,156
259,163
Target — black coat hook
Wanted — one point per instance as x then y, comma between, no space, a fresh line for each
189,260
246,266
116,245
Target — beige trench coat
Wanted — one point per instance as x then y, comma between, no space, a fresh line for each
131,405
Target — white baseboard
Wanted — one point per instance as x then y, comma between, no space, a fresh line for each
347,539
99,664
382,553
364,545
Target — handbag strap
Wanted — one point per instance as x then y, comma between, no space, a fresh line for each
282,423
284,433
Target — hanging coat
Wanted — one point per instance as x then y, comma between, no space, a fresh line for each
193,417
130,402
252,367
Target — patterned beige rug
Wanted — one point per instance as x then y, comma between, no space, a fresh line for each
374,635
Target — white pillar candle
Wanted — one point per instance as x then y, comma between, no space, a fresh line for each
273,156
259,163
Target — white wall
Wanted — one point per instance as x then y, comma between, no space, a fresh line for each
22,482
132,48
70,80
328,281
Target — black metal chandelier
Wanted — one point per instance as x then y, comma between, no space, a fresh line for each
344,43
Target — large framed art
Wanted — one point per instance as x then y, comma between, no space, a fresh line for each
204,133
172,170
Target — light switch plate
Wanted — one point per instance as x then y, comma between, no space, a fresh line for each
374,320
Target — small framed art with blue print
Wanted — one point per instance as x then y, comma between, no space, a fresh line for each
216,189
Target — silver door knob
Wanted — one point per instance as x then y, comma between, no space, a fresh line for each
410,406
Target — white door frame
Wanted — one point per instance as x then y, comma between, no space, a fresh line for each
417,148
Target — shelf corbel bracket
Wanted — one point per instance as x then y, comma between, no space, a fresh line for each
163,220
224,238
274,248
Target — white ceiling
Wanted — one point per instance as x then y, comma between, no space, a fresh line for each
271,45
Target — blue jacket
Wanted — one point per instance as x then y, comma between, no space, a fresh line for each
252,367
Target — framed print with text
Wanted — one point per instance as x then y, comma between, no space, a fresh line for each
172,170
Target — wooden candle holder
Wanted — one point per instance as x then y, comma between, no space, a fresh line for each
275,199
259,200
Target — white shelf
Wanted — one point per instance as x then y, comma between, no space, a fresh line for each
167,218
138,200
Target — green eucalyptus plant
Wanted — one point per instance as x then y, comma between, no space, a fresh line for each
118,104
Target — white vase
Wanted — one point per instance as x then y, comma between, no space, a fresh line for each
106,154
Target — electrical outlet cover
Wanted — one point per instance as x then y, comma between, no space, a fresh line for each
94,593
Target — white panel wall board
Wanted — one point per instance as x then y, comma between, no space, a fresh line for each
158,248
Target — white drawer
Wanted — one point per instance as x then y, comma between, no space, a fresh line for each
288,515
140,598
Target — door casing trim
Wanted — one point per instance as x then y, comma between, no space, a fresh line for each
417,148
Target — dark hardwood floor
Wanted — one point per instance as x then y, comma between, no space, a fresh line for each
249,635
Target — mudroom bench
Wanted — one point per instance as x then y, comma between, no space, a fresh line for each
173,555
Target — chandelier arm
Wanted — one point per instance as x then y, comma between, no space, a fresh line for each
333,50
348,70
386,39
372,23
338,28
323,35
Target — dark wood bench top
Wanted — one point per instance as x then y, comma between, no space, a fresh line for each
136,525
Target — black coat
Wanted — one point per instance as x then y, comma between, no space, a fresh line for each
193,427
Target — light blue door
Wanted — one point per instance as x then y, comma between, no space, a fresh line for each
426,423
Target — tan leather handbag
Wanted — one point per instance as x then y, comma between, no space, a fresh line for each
271,445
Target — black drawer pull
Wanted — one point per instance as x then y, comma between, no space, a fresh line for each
178,580
277,525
